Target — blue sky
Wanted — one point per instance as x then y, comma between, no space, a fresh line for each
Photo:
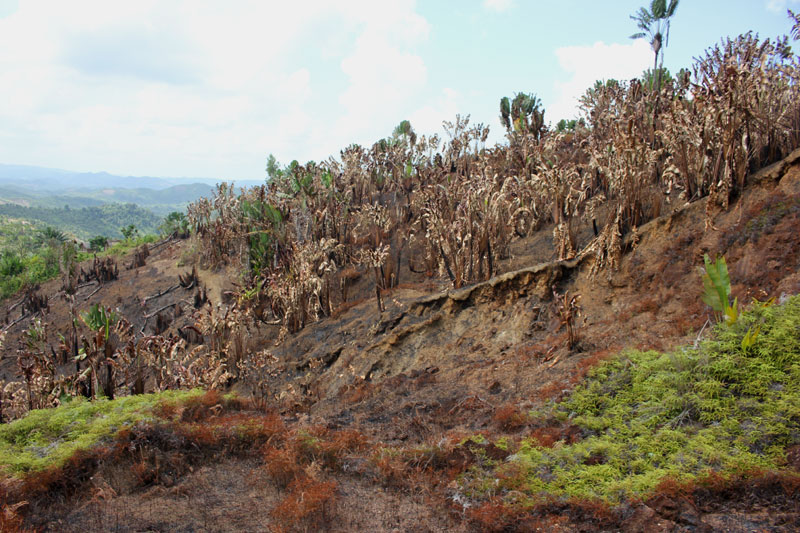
209,88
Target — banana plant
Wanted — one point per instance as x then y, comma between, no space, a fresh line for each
100,350
717,289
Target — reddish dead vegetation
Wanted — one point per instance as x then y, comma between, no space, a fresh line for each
303,462
432,469
10,519
198,430
556,389
554,431
510,418
295,461
308,505
713,492
570,515
682,504
202,427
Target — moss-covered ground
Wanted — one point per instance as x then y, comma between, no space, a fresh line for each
729,406
47,438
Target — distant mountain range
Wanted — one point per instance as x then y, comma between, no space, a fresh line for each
31,186
86,204
169,199
51,180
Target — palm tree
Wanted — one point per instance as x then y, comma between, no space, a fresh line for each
523,114
52,235
655,25
795,17
405,133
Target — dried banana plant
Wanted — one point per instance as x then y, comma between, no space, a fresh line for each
37,367
302,292
466,214
372,230
256,372
744,113
13,400
568,312
216,226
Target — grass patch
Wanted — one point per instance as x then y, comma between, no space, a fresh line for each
643,417
124,246
49,437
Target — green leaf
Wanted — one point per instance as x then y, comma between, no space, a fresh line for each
749,339
716,284
732,312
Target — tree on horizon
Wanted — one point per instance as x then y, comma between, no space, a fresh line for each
654,24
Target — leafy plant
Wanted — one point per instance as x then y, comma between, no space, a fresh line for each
98,243
10,264
175,223
717,289
129,232
522,115
100,319
51,234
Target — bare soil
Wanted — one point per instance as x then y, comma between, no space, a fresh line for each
439,363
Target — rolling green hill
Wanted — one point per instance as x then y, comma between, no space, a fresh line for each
87,222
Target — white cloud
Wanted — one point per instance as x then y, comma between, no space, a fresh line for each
498,5
587,64
383,72
780,6
194,87
428,119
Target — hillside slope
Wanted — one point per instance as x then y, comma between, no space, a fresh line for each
386,418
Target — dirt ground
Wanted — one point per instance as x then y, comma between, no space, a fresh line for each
440,362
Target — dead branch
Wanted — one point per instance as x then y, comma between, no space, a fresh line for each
16,305
165,241
161,293
17,321
154,313
93,292
473,397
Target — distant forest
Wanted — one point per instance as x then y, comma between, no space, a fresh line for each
88,222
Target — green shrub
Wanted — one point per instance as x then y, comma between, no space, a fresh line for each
11,264
98,243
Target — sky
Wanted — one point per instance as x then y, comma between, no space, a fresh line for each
193,88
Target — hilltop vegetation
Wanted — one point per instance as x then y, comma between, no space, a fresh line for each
27,254
454,207
32,252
